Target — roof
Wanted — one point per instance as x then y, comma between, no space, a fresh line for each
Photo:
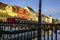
23,10
56,19
2,5
30,8
16,7
45,16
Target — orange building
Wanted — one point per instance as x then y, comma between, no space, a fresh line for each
56,21
23,13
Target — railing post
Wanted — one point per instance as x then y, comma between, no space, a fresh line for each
48,35
0,32
56,34
39,23
39,33
55,31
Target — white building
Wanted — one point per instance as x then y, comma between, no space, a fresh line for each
50,19
46,19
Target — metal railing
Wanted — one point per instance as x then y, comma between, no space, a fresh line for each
50,31
17,31
30,31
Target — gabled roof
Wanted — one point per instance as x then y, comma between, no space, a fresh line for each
2,5
16,7
45,16
30,8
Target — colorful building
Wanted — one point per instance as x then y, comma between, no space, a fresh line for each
23,13
46,19
3,13
32,13
6,11
56,21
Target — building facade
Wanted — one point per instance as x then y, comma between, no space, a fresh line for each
33,15
6,11
46,19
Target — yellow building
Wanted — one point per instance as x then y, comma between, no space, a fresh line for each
6,11
9,10
2,12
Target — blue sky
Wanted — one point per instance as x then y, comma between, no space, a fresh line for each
49,7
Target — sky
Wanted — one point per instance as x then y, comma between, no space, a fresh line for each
49,7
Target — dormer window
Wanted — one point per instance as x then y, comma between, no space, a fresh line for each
9,6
